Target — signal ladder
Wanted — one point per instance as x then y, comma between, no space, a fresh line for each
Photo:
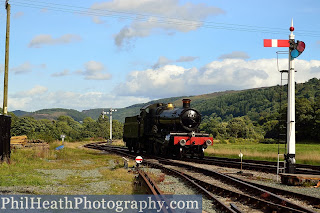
282,136
282,122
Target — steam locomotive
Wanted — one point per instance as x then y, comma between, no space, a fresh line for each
162,129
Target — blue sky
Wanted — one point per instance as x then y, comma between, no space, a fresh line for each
85,54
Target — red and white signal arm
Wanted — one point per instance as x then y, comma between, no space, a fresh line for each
276,43
139,159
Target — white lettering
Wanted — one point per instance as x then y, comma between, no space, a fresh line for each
87,202
78,201
14,204
68,203
119,207
96,204
160,204
45,204
54,205
144,206
110,202
5,201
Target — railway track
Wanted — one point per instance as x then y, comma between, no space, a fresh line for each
267,166
151,186
245,197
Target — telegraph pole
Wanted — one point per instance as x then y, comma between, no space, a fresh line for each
110,113
103,113
6,66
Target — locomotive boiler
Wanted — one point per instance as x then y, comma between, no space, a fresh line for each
162,129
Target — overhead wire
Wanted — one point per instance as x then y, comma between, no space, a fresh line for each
153,18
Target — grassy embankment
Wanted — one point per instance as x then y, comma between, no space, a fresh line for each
305,153
72,170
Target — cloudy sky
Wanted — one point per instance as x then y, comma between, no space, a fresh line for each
84,54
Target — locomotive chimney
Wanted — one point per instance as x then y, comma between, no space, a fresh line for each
186,103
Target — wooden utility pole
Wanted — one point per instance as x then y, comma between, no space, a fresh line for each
6,65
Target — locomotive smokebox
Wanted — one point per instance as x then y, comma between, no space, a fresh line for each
186,103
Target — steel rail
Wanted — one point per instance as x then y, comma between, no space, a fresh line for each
248,187
258,165
265,192
218,204
265,166
253,202
314,201
149,182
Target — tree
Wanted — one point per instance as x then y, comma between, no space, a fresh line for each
24,126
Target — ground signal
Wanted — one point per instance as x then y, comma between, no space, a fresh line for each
139,159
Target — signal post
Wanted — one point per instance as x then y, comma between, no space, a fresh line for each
295,49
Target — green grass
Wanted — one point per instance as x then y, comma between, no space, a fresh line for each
33,167
305,153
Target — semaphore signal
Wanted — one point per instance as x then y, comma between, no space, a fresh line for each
295,49
276,43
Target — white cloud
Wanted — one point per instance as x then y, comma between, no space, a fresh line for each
186,59
97,20
229,74
36,91
45,39
162,61
151,15
40,97
166,81
26,67
60,74
23,68
235,54
94,70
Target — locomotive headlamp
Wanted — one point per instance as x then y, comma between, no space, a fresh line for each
193,134
183,142
208,142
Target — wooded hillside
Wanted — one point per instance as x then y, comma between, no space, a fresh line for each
252,113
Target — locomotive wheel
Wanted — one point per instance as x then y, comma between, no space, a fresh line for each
156,149
150,148
179,153
129,145
135,148
201,154
164,150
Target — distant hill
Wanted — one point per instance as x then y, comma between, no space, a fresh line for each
121,113
20,113
256,103
52,114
